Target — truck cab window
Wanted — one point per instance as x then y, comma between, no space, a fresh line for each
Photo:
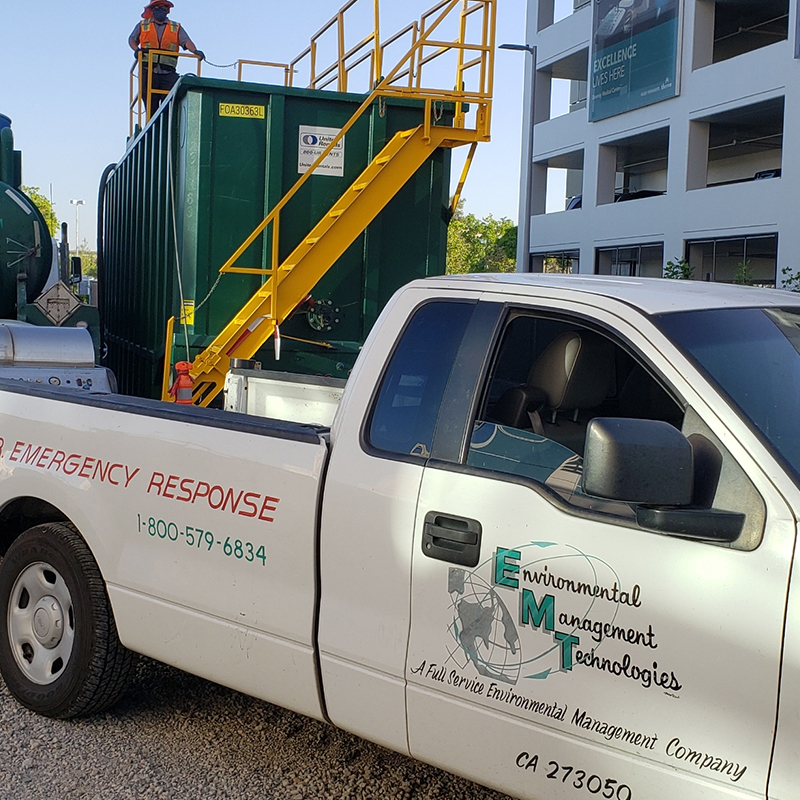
551,377
410,396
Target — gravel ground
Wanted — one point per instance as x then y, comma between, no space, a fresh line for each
177,737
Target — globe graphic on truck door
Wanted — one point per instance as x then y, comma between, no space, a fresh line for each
483,628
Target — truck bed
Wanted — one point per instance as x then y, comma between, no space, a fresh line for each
193,516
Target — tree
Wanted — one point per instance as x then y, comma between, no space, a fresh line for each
480,245
561,265
44,206
790,280
88,261
679,269
744,274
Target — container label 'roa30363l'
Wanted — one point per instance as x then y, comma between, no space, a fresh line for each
241,110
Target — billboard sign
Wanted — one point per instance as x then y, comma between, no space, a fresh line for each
635,46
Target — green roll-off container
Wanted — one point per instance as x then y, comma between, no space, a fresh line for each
169,224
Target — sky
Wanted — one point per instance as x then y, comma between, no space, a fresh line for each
64,84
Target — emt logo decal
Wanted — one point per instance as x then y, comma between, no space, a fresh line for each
545,610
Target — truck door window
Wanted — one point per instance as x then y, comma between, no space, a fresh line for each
551,377
407,406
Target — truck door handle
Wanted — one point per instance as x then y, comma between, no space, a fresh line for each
450,538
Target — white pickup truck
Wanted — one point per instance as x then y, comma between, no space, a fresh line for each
547,543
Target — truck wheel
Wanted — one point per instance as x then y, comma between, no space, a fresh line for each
59,651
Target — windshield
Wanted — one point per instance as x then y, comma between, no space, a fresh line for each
754,356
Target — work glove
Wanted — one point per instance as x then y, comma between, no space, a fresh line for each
201,54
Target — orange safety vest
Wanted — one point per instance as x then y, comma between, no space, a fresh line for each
148,40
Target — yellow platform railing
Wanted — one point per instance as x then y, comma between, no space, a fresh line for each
384,177
141,92
287,73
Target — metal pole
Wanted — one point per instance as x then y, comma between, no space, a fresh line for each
77,204
526,166
63,252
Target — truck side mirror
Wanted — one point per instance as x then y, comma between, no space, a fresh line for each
638,461
650,465
76,270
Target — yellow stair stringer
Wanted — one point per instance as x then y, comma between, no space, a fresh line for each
318,252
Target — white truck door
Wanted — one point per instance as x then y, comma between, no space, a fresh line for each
558,649
380,442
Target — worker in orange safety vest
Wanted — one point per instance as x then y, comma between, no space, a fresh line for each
157,32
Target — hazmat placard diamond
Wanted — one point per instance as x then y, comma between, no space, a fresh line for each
58,303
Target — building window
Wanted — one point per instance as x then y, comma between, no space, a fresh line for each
743,144
633,168
558,183
743,259
567,84
552,11
725,29
564,262
577,95
641,260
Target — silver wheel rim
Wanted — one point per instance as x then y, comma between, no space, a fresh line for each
41,623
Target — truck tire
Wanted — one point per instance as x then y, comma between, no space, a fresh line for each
59,651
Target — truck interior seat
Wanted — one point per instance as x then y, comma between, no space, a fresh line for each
572,375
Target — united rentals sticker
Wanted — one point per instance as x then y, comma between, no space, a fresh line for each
312,142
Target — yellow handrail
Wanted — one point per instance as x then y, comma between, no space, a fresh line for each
165,385
370,48
141,96
339,69
385,89
285,67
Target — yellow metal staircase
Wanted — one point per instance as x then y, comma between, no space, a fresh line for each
289,282
324,245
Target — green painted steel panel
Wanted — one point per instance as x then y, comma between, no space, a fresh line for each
170,225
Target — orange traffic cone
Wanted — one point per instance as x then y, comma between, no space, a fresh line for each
181,390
